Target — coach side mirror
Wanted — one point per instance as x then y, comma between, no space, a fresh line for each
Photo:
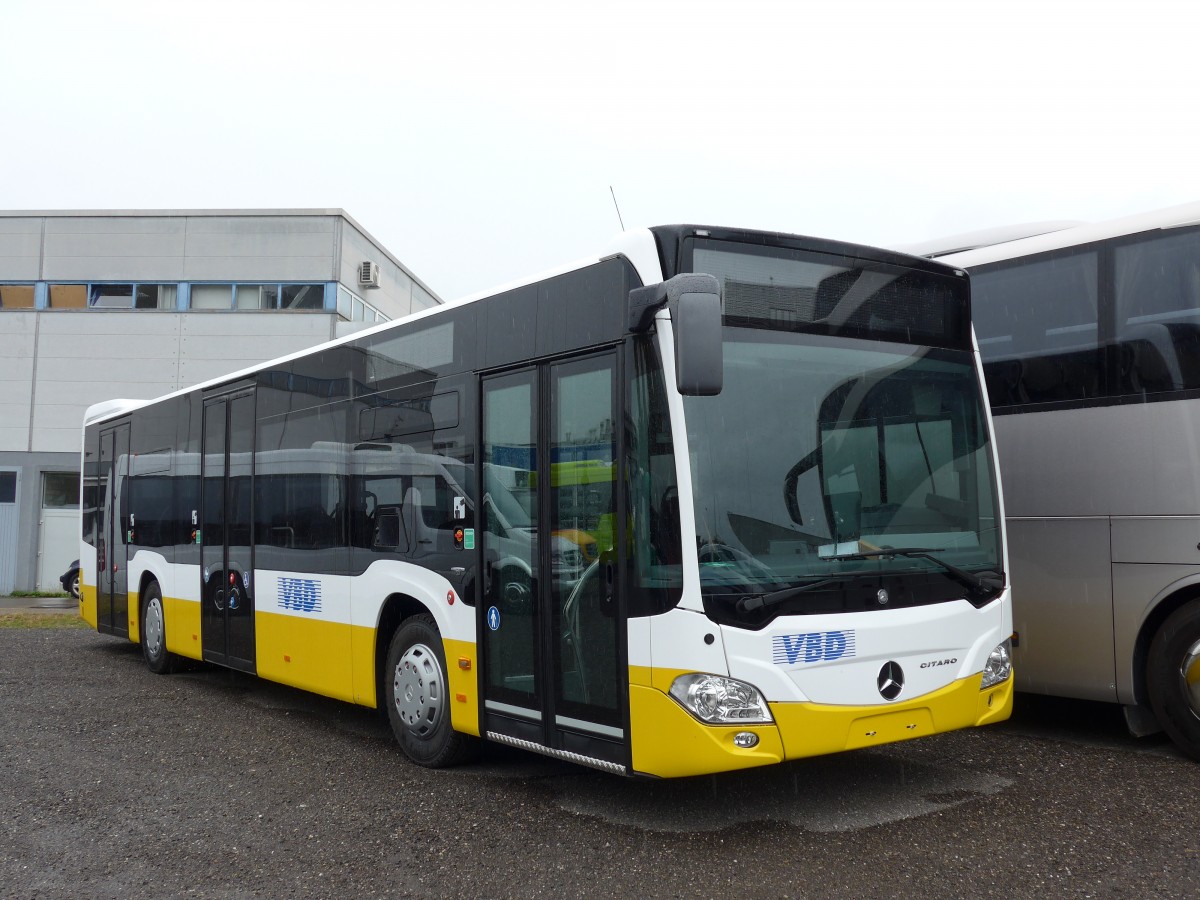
694,301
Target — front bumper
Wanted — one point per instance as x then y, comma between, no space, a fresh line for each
668,742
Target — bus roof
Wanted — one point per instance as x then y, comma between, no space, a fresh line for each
1161,219
936,248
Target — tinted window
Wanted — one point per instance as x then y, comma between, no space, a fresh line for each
1038,330
1157,285
790,289
300,503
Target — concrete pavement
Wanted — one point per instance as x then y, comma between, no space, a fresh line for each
37,604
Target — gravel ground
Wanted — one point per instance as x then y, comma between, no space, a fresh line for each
116,782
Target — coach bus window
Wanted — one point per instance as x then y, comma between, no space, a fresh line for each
1038,331
1158,314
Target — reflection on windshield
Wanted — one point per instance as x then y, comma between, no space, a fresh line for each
818,453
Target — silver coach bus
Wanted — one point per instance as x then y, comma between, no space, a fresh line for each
1090,338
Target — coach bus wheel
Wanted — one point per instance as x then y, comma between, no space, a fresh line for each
1173,677
417,693
154,632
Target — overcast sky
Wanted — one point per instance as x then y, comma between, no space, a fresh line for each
478,140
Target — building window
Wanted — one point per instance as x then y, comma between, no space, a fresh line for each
60,490
257,296
16,296
212,296
68,296
113,296
110,296
8,487
303,296
156,296
345,303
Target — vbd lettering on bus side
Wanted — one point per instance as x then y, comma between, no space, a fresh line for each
300,594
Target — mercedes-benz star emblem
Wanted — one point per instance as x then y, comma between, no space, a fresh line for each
882,596
890,680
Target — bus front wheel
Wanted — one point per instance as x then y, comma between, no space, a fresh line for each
1173,677
417,693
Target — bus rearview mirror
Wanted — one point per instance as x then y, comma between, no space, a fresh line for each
694,301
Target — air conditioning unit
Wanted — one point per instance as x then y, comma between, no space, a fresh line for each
368,275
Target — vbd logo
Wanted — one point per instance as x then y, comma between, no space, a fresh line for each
300,594
817,646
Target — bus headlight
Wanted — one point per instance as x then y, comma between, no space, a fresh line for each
720,701
998,666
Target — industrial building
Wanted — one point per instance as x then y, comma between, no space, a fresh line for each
97,305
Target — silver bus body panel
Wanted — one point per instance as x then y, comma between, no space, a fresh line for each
1092,555
1062,607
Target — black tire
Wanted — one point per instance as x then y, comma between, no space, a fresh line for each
1174,650
74,589
154,633
416,692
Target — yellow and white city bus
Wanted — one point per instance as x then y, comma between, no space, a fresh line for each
713,499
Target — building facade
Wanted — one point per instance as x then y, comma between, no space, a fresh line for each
135,304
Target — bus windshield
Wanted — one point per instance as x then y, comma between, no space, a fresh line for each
821,451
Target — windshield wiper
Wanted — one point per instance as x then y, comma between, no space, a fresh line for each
981,588
749,604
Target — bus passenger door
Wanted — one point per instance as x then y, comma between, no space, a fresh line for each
227,563
552,619
112,562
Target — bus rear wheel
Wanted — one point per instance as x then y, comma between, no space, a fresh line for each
1173,677
417,692
154,632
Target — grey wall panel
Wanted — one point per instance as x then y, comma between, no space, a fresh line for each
1069,462
14,426
17,328
293,248
1063,607
81,395
17,351
393,297
20,249
212,347
18,369
265,324
114,248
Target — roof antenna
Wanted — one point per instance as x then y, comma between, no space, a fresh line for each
614,196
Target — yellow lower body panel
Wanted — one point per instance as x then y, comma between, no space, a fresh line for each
131,613
306,653
87,604
182,626
670,742
461,659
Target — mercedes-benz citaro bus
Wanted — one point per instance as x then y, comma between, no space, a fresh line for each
709,500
